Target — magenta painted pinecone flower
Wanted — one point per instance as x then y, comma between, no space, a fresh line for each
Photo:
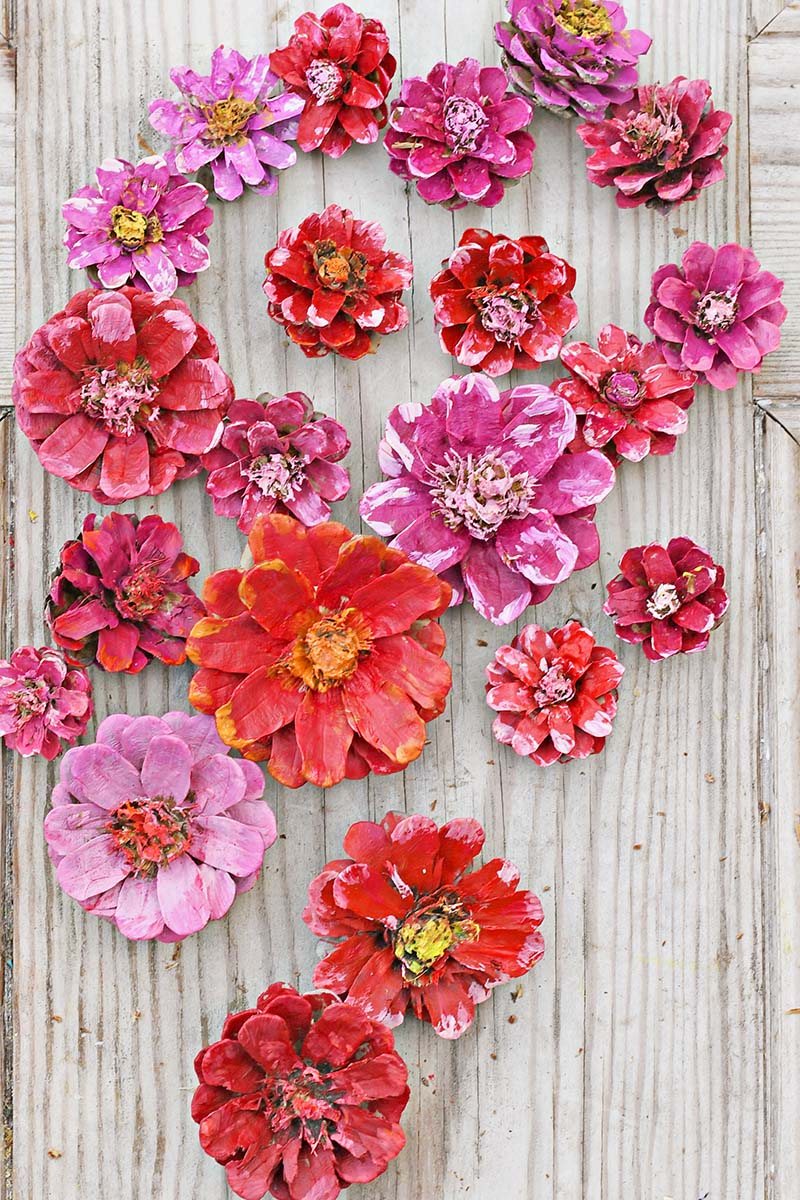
460,135
155,828
661,147
277,455
144,225
572,57
667,600
44,704
482,492
120,596
230,121
718,314
629,403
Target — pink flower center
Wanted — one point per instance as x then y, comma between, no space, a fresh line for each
325,80
464,122
150,831
663,602
29,701
480,493
623,389
657,132
277,475
142,593
121,398
585,19
423,940
506,313
555,687
716,312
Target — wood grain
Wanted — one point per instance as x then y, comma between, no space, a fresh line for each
639,1060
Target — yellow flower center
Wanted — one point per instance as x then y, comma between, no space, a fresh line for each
585,18
329,651
425,936
133,228
227,118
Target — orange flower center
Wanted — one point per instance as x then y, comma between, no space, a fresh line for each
227,118
150,831
329,651
339,267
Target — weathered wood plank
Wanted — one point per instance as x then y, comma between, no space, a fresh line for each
7,238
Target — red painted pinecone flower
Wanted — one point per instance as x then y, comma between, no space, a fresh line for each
417,930
301,1097
555,693
339,63
333,286
667,600
502,304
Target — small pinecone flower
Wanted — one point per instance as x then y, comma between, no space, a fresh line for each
301,1097
573,57
334,287
717,314
555,692
120,596
459,135
660,148
629,403
231,122
339,65
501,304
44,703
667,600
144,225
277,455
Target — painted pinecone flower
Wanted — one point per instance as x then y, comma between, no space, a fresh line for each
629,403
44,703
421,929
334,287
573,57
120,596
717,314
555,693
660,148
339,65
301,1097
459,135
667,600
121,393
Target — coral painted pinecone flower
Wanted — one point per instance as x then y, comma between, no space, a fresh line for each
555,693
340,66
660,148
44,704
144,225
155,828
459,135
502,304
324,658
230,120
121,393
573,57
120,596
417,929
333,286
667,600
301,1097
482,491
629,402
277,455
718,314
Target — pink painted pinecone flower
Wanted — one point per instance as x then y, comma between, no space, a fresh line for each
717,314
144,225
277,455
44,704
230,121
482,492
459,135
155,828
629,403
667,600
573,57
660,148
120,596
555,693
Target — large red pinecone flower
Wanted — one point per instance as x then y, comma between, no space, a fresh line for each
301,1097
417,930
121,393
502,304
333,286
325,657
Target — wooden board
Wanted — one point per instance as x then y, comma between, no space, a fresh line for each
647,1055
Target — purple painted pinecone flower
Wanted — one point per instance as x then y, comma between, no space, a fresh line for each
229,120
574,57
143,225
